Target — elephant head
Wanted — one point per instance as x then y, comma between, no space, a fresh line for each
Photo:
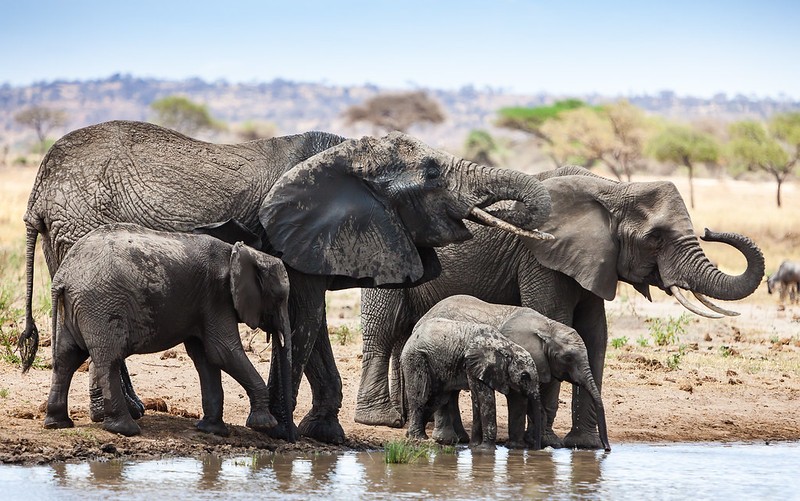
260,292
639,233
563,352
503,365
368,211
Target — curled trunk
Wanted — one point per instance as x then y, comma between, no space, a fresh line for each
491,185
695,272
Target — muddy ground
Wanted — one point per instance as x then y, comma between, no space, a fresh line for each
735,379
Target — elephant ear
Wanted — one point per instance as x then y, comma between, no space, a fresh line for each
487,360
323,218
246,285
585,245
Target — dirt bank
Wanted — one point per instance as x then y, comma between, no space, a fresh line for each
733,380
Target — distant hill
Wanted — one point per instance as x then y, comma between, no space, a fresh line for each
301,106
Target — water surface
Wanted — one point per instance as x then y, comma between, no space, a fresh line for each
634,471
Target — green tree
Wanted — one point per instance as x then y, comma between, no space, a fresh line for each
631,129
531,119
774,149
42,119
684,145
181,114
578,136
397,111
614,134
480,146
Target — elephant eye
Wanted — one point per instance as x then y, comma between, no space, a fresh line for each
431,171
525,376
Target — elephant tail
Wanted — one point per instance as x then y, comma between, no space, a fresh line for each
28,342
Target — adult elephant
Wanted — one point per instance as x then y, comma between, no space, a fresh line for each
339,212
606,232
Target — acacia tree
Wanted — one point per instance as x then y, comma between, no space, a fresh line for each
775,149
42,119
182,114
631,129
578,136
396,111
531,119
684,145
614,134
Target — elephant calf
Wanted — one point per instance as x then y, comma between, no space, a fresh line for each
444,356
557,350
123,289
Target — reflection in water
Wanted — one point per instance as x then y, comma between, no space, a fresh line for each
630,471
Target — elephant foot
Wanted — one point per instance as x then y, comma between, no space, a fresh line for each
516,444
482,446
549,439
213,427
281,432
385,415
322,428
449,436
261,421
416,434
125,426
57,422
580,439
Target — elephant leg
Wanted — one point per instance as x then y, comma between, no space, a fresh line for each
590,322
210,389
517,412
448,427
484,416
416,395
117,415
66,361
549,392
96,405
238,366
322,421
378,403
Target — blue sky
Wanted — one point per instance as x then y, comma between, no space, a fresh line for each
563,47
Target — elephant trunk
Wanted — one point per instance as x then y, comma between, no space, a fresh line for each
696,273
600,410
283,341
489,185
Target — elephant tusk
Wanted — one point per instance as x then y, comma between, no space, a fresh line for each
689,306
711,306
506,226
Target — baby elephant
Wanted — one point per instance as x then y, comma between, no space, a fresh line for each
123,289
557,350
444,356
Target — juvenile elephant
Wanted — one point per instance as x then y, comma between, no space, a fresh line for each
606,232
123,289
787,278
339,212
445,356
557,350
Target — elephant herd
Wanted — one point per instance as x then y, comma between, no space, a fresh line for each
472,277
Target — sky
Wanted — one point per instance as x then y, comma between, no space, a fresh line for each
614,48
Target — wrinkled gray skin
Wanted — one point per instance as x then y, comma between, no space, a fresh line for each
339,212
124,289
787,278
606,232
557,350
444,356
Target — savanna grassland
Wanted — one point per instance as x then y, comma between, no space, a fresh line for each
670,376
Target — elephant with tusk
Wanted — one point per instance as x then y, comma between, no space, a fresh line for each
605,232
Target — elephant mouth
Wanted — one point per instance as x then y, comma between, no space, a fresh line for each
654,278
480,216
